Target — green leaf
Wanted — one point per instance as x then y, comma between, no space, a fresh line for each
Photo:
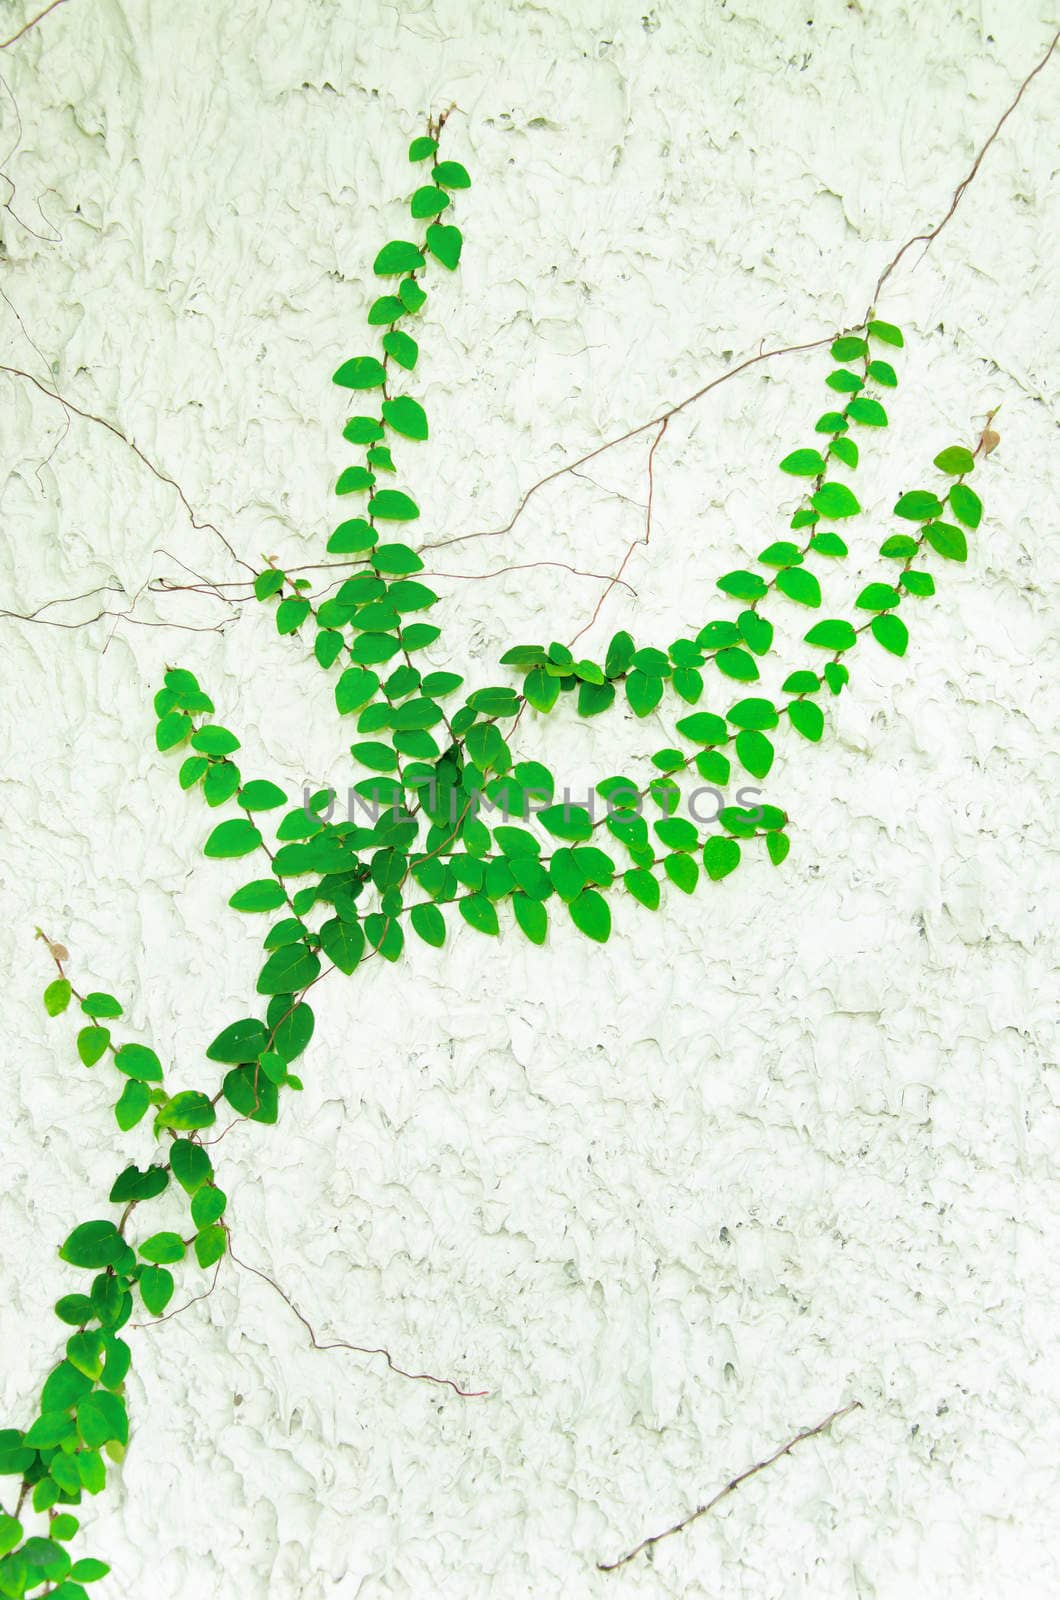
88,1570
743,585
541,690
354,480
421,148
268,583
352,536
737,664
132,1184
190,1164
531,916
210,1244
844,382
643,692
703,727
132,1103
878,597
290,614
172,729
828,544
845,450
955,460
886,332
566,822
156,1289
287,970
92,1044
918,505
240,1041
720,857
445,244
949,541
264,894
834,634
891,632
808,718
237,837
10,1532
682,871
754,752
191,771
385,310
849,348
918,583
966,504
591,914
411,295
161,1248
753,714
362,372
868,412
93,1244
803,463
209,1202
884,374
397,256
429,923
451,175
187,1111
139,1062
221,783
900,546
402,348
214,741
406,417
342,943
757,631
428,201
835,500
799,585
479,913
57,996
390,505
101,1417
643,886
778,845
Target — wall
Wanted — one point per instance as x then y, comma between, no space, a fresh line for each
789,1143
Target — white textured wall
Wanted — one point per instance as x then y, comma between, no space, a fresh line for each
789,1143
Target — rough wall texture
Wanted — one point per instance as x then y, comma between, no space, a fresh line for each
789,1143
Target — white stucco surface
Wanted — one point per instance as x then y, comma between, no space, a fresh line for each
789,1143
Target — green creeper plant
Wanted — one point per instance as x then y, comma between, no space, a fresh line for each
422,843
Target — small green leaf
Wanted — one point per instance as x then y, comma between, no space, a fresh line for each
214,741
237,837
720,857
290,614
703,727
531,916
643,886
428,201
396,257
139,1062
210,1244
406,417
591,914
190,1164
948,540
342,943
778,845
187,1111
835,634
834,500
918,505
799,585
92,1044
966,504
849,348
479,913
808,718
737,664
886,332
57,996
93,1244
88,1570
172,729
362,372
891,632
287,970
402,348
884,374
163,1247
878,597
445,244
803,463
754,752
132,1104
390,505
451,175
240,1041
743,585
868,412
421,148
429,923
955,460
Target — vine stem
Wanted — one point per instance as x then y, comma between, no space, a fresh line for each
344,1344
733,1484
32,23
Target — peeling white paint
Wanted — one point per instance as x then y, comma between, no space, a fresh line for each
788,1143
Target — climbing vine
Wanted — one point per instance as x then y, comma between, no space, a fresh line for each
450,818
